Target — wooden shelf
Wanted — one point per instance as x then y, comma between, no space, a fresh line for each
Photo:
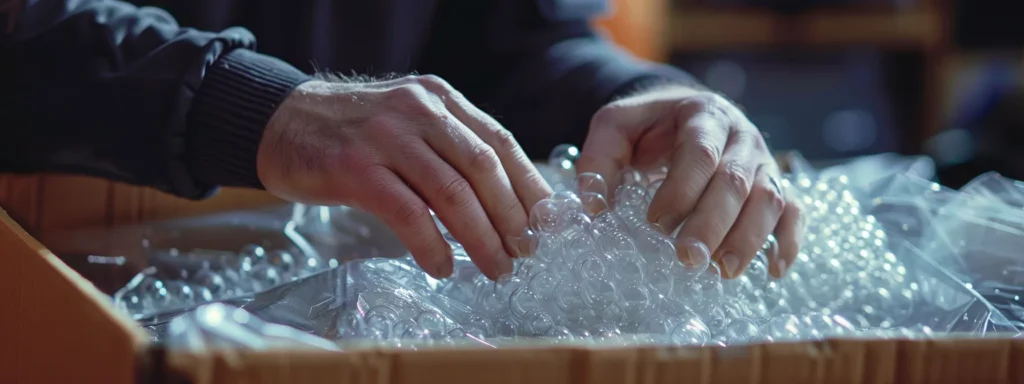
698,29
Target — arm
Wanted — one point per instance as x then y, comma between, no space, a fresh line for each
103,88
537,65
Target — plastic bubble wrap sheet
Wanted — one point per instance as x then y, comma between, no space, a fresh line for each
976,233
599,274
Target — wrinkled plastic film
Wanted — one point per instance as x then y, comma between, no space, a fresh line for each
981,232
886,271
217,326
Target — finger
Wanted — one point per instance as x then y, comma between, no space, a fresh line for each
787,232
479,164
511,182
406,214
720,205
701,139
755,222
608,148
527,183
456,203
606,151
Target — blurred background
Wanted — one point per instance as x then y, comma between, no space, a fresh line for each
836,79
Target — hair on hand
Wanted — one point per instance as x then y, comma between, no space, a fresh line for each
337,77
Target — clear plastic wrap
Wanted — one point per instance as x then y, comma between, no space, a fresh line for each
217,326
978,234
887,257
349,304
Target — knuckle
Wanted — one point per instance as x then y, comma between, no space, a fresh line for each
410,213
759,141
704,99
750,138
707,104
795,210
699,102
483,158
511,208
736,179
409,98
776,201
383,125
457,193
405,93
504,141
706,157
604,117
433,82
770,195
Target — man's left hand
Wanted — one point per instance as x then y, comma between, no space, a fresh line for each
722,179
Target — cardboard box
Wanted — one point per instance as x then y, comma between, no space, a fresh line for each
43,203
56,326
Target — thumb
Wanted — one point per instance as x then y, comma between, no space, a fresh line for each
614,132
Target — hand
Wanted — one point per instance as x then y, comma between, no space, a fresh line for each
395,148
722,179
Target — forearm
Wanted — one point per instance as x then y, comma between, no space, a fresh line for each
106,89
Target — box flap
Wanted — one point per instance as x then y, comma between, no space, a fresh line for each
56,326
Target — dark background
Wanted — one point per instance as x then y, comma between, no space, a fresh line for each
836,79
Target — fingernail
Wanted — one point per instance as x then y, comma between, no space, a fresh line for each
693,254
781,265
731,264
504,264
524,244
445,265
663,222
445,268
659,228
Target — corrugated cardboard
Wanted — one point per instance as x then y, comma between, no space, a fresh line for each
56,327
824,362
44,203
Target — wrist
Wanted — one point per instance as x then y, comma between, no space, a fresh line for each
289,156
232,108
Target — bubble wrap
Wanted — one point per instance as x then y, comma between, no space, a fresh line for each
598,273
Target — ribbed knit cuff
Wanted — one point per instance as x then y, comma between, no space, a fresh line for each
236,99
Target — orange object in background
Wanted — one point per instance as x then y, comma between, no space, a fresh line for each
638,26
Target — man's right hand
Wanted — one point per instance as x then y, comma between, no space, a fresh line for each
395,148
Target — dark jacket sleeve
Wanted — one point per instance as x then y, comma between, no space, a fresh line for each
103,88
536,65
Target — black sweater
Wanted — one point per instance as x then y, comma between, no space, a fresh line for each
145,94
